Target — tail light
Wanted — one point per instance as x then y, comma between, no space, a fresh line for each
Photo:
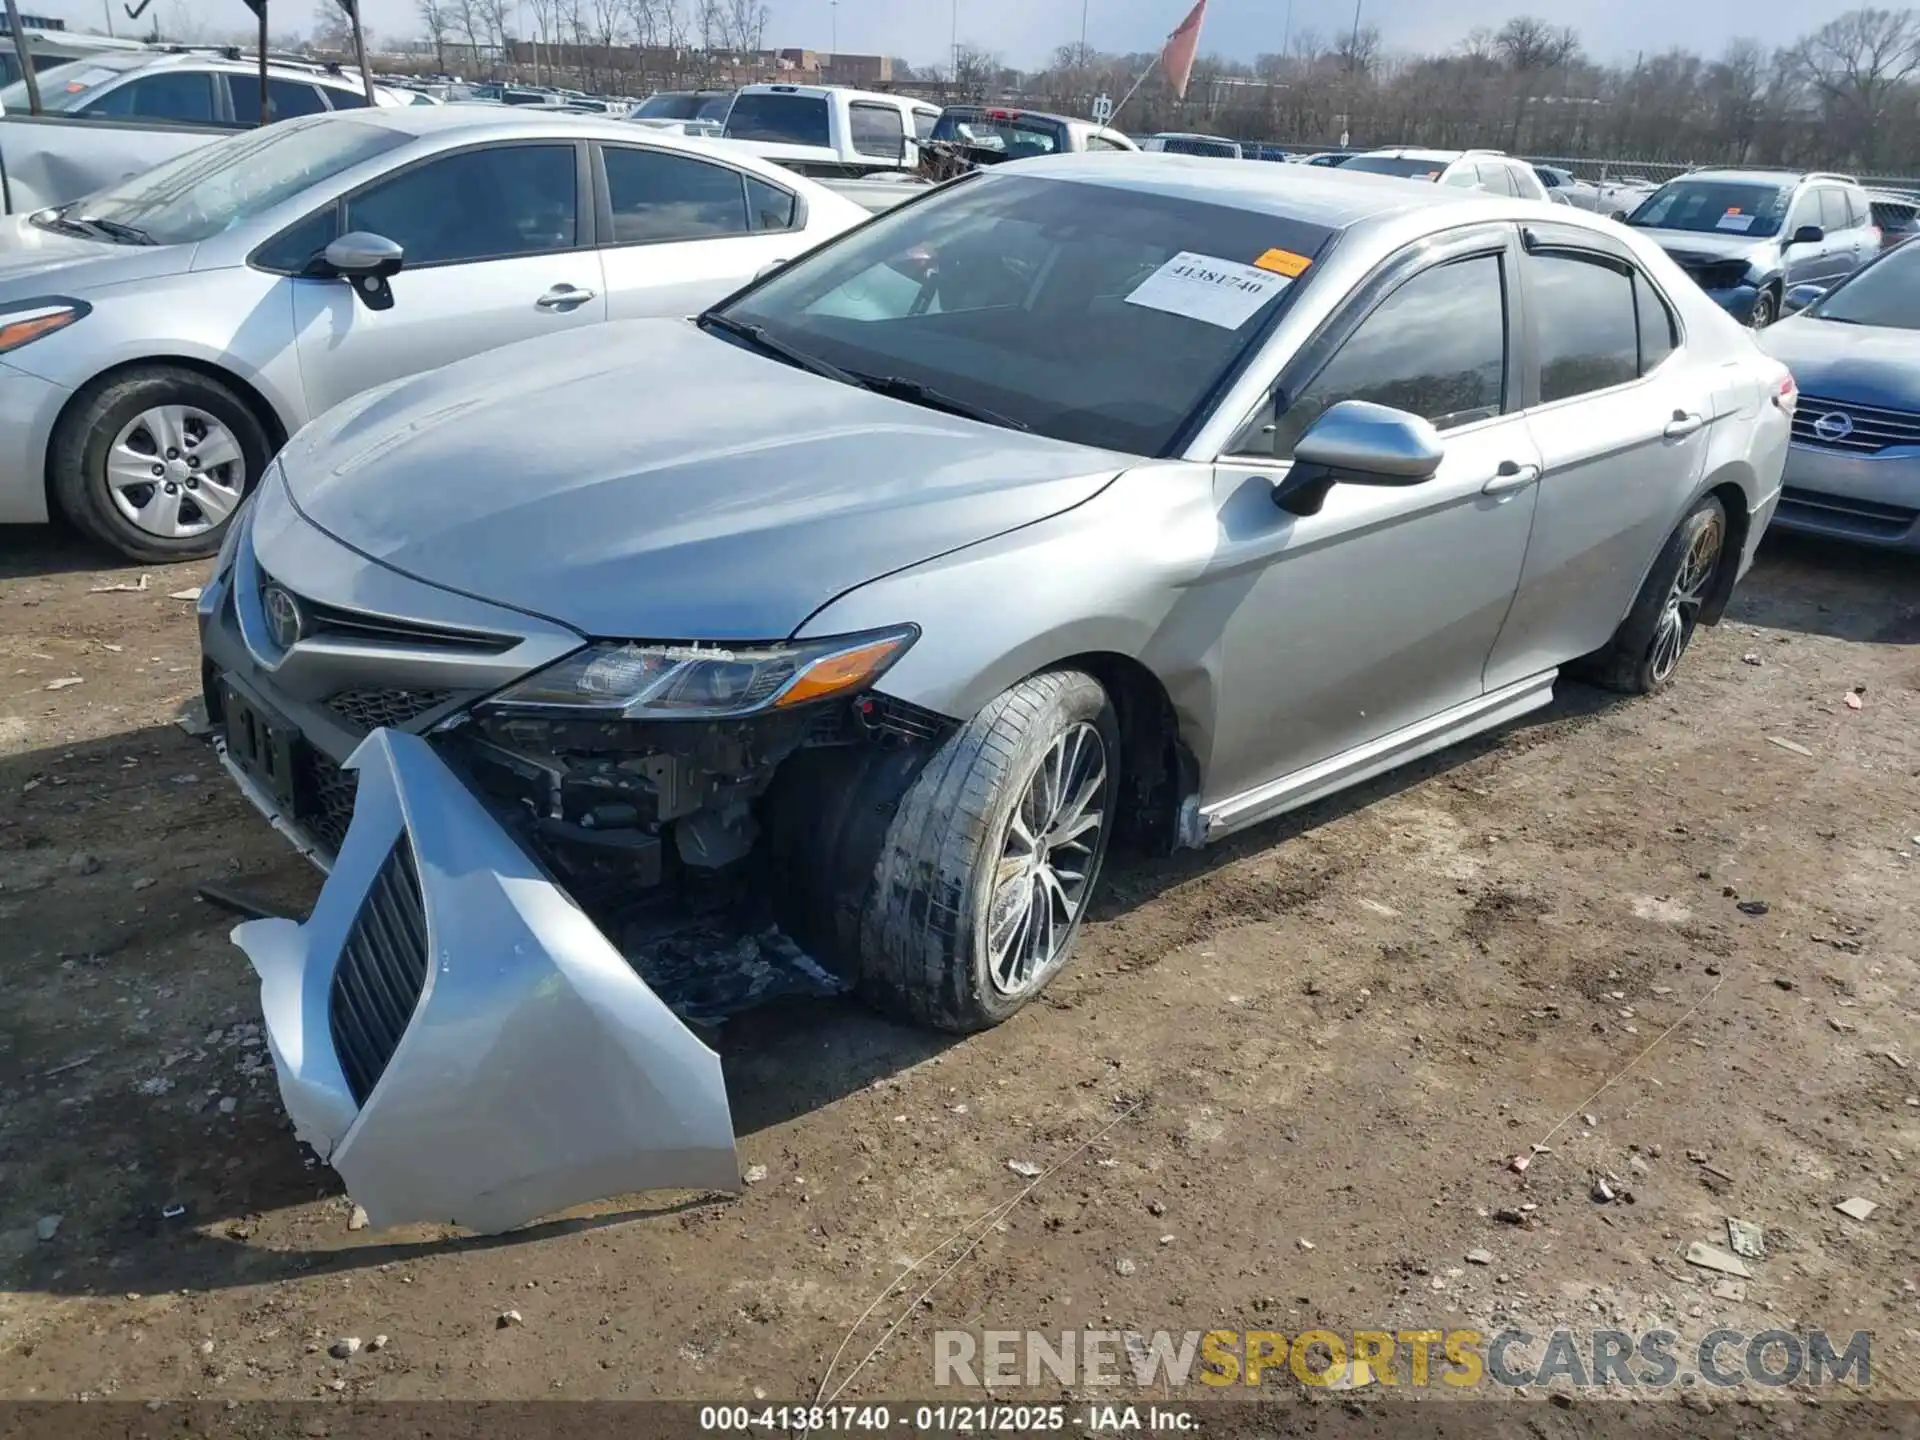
1786,394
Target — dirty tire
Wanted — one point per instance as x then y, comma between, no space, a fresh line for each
1635,662
77,454
923,951
1766,309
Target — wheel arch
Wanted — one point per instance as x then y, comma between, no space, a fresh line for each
254,397
1730,487
1160,770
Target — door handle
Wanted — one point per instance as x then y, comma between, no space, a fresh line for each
1682,425
1510,477
563,297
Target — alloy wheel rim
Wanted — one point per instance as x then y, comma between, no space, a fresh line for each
1762,314
175,471
1682,611
1045,861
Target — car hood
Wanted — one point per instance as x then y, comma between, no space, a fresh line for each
647,479
36,261
1861,364
1698,247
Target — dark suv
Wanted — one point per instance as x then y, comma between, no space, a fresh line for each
1747,236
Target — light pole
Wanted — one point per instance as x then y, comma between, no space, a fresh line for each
833,32
1083,30
1353,44
955,42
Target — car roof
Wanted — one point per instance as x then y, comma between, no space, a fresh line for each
820,92
1732,172
1332,197
1403,152
487,122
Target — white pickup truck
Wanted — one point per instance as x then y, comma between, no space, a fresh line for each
112,115
827,131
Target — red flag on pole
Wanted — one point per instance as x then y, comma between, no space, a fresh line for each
1177,58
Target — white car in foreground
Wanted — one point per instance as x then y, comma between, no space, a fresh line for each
161,339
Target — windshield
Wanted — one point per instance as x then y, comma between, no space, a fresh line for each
66,88
1886,293
1726,207
1405,166
197,195
785,119
1089,313
1018,137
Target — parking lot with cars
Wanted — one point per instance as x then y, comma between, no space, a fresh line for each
1142,738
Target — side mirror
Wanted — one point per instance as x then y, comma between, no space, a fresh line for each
1358,443
366,261
1808,235
1800,297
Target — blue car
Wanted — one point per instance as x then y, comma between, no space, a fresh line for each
1853,469
1749,236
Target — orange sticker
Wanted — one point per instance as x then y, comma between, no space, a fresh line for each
1733,209
1284,262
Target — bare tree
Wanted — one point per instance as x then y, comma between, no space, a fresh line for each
332,31
975,70
1358,51
436,18
1527,44
1854,66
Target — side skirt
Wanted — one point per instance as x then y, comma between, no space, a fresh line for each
1363,762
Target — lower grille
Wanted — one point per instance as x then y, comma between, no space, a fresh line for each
1866,518
381,971
371,709
325,803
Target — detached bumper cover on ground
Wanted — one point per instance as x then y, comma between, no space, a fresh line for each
457,1039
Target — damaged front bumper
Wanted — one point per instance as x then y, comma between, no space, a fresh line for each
458,1039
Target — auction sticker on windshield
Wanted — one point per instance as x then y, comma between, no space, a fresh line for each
1734,220
1206,288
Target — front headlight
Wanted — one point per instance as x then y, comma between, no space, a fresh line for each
23,327
703,682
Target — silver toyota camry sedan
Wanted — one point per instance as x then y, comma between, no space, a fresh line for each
828,640
159,340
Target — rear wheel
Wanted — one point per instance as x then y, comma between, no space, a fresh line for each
1646,650
154,461
992,857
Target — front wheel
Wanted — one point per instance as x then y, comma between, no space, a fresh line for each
992,857
1766,308
154,461
1645,651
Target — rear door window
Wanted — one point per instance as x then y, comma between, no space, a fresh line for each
285,98
1494,176
1586,324
877,129
657,196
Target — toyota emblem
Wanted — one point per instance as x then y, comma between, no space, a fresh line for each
285,619
1834,425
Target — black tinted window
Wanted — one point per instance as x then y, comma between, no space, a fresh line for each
768,206
877,129
170,95
345,99
657,196
477,205
285,98
1658,333
291,250
785,119
1436,347
1585,323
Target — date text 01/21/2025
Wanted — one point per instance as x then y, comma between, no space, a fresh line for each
945,1419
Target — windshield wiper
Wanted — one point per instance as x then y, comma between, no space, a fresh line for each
113,230
757,336
901,388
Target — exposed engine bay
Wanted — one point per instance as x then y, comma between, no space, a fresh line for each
659,830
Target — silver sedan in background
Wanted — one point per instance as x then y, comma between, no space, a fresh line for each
161,339
830,639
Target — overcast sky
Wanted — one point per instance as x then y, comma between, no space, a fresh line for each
1024,32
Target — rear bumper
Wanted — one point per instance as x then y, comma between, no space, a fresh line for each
1862,499
457,1039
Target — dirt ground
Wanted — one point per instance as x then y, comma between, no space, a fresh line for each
1282,1081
